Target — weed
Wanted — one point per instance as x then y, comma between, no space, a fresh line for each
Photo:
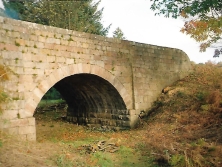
15,98
158,103
177,160
70,39
51,126
211,149
35,46
1,143
16,60
201,142
201,96
140,145
181,94
17,44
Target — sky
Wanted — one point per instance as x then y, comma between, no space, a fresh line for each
139,23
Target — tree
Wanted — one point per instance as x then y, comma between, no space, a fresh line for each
13,8
203,18
52,94
70,14
118,33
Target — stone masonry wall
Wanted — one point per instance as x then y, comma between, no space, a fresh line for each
39,56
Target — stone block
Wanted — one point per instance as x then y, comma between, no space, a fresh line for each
39,45
52,40
27,130
38,92
44,52
69,61
12,131
29,109
27,112
44,86
132,112
65,70
133,120
28,64
33,38
50,58
22,137
31,137
18,122
29,86
60,59
52,78
13,105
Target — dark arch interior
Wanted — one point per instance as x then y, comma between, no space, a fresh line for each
91,100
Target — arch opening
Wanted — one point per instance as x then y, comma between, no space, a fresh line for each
93,101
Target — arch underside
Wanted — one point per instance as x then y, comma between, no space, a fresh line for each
93,101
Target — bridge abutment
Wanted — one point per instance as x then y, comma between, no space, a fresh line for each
24,128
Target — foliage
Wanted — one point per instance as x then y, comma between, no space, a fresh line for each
2,13
52,94
203,18
118,33
74,15
177,160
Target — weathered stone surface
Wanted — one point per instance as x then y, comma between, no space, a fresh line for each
105,81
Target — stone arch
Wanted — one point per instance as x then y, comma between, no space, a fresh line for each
47,82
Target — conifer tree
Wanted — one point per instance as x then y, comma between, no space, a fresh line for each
118,33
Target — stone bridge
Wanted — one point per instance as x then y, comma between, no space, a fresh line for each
105,81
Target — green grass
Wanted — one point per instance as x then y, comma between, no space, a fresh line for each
103,159
63,161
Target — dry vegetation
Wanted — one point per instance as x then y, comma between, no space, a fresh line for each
183,129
